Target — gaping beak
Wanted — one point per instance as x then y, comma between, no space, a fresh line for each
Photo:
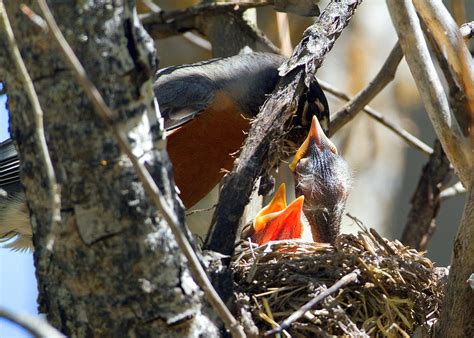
279,225
278,203
316,134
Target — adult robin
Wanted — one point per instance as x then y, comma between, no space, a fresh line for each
207,108
322,180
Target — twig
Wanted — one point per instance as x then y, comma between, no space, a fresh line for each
37,327
377,116
347,279
467,30
35,18
192,212
417,55
45,168
148,183
452,191
190,36
385,75
425,202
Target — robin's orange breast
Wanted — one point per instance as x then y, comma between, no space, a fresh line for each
202,149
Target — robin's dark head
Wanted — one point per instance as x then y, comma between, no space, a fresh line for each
323,178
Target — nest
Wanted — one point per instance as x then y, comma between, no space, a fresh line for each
397,289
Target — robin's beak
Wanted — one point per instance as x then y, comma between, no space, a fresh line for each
279,225
316,134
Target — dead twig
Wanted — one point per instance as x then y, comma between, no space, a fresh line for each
149,184
410,139
347,279
431,90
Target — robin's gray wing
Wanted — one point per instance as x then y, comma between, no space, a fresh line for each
183,92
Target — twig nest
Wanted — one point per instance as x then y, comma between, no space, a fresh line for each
398,289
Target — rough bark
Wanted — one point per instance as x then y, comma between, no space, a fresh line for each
458,313
112,267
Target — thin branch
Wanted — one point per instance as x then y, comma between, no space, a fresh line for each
149,184
425,202
452,191
444,35
35,18
344,281
52,198
385,75
410,139
34,325
197,211
190,36
436,104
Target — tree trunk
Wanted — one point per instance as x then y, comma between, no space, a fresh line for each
458,311
112,266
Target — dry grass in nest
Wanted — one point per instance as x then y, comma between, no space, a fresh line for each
397,291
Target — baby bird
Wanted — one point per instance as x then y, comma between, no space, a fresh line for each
323,178
277,221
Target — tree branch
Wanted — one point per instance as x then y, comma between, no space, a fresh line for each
149,184
452,52
377,116
37,327
426,199
190,36
452,191
457,312
416,53
203,18
385,75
